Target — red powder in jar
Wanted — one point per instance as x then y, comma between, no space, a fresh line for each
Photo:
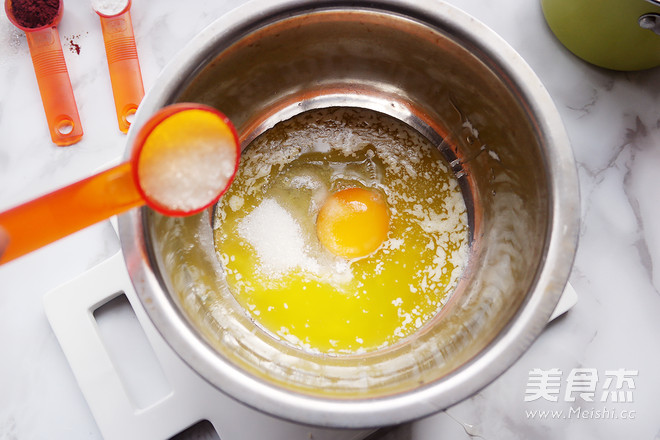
34,13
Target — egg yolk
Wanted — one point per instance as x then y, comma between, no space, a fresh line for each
353,222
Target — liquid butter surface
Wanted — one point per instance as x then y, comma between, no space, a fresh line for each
291,285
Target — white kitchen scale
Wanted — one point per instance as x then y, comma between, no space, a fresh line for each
137,387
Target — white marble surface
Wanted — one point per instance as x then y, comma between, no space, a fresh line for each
613,121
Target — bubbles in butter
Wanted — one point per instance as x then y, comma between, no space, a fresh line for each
289,283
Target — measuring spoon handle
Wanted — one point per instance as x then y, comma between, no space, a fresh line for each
46,219
123,64
55,86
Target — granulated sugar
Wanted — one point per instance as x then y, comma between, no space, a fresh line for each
109,7
187,161
185,178
276,237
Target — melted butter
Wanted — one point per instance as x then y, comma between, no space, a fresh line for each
294,288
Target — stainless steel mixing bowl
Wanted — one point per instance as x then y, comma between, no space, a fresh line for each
459,84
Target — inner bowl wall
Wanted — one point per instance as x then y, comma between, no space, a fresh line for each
437,85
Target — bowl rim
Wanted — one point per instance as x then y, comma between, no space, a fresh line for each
495,359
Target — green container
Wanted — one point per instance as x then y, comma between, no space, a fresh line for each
608,33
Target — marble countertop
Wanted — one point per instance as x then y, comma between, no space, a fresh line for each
612,119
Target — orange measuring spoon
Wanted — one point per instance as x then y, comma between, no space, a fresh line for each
52,77
123,63
184,158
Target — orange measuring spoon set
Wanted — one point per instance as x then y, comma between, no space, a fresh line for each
39,20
